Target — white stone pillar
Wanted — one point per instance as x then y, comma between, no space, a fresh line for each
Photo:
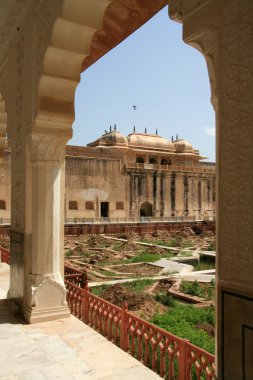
46,291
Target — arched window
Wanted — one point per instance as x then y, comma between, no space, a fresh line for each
73,205
164,161
146,209
152,160
89,205
2,205
140,160
119,206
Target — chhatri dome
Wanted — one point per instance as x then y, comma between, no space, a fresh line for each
141,140
183,146
135,140
112,138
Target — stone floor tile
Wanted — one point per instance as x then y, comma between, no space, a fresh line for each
135,373
77,367
17,357
55,348
51,372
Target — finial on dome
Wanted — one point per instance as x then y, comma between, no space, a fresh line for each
115,127
172,138
156,132
177,137
134,128
110,128
145,130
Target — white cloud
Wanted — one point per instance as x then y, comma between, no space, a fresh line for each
210,131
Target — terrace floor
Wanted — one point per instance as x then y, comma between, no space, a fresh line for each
65,349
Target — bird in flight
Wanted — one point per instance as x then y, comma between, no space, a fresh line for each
134,107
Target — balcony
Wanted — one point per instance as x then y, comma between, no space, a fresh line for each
208,169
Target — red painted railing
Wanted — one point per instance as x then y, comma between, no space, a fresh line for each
199,361
75,276
121,228
5,255
171,357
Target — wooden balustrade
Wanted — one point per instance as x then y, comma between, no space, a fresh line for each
75,276
5,255
104,317
155,347
74,297
171,357
199,362
130,227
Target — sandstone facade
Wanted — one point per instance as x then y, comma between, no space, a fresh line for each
130,178
141,175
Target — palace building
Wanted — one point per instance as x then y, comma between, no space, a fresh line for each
44,46
138,177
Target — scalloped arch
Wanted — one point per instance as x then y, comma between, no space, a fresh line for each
85,31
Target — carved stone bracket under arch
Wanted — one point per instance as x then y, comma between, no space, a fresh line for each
200,30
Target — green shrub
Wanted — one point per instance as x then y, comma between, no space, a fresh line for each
68,253
165,299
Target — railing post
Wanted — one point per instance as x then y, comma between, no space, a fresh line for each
182,361
123,327
83,282
85,304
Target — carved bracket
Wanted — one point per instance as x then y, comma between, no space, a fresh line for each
47,147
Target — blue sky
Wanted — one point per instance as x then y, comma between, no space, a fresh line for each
154,70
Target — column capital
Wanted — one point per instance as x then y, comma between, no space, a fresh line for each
47,147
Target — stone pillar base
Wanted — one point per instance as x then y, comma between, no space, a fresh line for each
36,315
47,302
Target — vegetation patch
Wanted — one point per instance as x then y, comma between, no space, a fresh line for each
204,290
138,285
165,299
187,321
144,257
68,253
204,265
97,290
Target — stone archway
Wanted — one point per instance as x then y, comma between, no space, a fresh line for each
146,209
47,119
69,36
